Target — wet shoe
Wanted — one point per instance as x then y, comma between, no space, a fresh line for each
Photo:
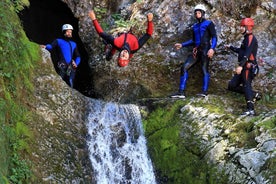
248,113
257,97
202,94
179,94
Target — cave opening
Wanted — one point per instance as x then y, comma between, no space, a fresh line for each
42,22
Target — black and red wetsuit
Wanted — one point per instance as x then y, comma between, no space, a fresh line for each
126,41
247,59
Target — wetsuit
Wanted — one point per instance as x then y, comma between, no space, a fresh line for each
204,32
68,51
126,41
247,59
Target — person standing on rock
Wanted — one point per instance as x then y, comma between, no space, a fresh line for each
127,43
204,42
68,54
247,68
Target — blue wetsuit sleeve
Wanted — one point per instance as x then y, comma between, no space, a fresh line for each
213,35
49,47
78,59
187,43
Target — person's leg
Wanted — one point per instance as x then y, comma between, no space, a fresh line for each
108,41
190,61
235,84
247,81
72,78
205,69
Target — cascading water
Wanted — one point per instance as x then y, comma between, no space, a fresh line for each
117,145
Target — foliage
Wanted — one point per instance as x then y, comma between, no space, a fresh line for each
101,13
20,4
119,23
173,161
19,137
18,57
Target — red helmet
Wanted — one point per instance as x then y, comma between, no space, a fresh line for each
123,62
247,22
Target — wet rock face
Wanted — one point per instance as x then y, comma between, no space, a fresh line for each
154,70
243,164
60,153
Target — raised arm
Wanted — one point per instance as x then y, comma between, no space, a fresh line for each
150,24
96,24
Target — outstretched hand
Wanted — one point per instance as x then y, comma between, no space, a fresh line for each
92,15
150,17
178,46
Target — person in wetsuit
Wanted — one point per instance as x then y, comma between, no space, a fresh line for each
127,43
248,66
204,42
68,55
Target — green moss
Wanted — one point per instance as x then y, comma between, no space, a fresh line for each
19,57
269,124
175,159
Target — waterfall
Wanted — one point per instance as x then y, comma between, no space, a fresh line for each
117,144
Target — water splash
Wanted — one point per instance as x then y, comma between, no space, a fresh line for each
117,145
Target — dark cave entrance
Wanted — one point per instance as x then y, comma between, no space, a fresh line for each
42,22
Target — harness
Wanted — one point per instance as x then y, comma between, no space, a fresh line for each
63,66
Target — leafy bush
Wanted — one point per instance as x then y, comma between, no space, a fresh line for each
20,4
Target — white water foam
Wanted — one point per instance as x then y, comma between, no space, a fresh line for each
117,144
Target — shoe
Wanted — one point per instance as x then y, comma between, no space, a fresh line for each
249,113
179,94
257,97
202,94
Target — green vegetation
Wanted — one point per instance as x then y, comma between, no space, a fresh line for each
175,159
122,23
18,57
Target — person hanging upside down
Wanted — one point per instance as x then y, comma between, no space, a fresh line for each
127,43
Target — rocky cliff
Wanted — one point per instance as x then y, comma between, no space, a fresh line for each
154,71
210,129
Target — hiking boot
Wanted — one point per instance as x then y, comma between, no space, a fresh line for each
202,94
179,94
249,113
257,97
